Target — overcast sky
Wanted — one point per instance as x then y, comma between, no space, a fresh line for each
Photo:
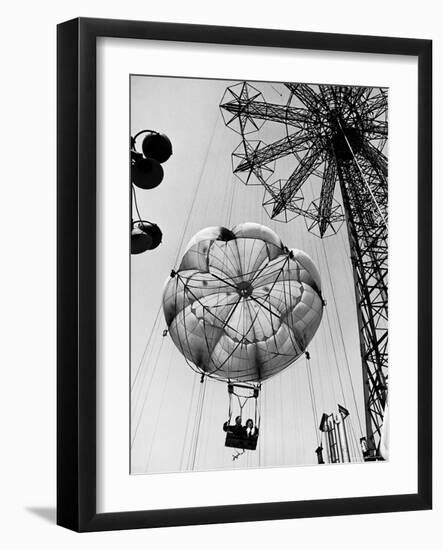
199,190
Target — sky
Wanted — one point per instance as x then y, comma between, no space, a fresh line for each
176,422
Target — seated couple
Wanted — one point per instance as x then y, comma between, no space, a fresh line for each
246,431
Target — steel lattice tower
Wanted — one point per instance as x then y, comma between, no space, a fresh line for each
337,133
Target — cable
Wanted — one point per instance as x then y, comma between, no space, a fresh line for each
342,340
197,188
313,401
146,398
198,424
331,336
363,177
146,347
188,418
134,197
158,415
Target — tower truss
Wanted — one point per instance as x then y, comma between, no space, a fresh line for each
338,134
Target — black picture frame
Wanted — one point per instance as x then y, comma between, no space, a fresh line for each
76,278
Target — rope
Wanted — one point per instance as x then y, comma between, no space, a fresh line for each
282,419
331,336
147,393
313,401
146,347
197,425
158,415
187,288
342,340
260,442
363,176
137,382
335,357
188,418
148,342
197,188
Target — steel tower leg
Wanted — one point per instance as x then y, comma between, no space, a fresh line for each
369,254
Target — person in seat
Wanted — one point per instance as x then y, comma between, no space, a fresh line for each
235,429
250,429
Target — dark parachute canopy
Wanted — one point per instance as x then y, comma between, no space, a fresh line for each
241,306
144,236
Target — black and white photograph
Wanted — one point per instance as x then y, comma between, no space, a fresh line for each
259,274
221,281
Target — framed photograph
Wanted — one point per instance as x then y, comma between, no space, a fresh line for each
244,274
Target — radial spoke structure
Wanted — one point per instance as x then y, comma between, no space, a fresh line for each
338,134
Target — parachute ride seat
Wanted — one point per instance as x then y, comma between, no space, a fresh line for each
238,442
236,436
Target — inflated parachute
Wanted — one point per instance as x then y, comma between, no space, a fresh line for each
241,306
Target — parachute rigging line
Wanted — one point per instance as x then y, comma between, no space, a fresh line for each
194,297
257,412
158,414
343,341
188,418
194,369
186,287
176,259
241,404
197,188
331,335
147,393
309,367
337,364
197,425
282,418
146,347
210,374
138,389
312,394
260,443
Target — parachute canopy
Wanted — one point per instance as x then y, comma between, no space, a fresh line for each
241,306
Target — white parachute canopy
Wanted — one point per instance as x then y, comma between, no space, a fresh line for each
241,306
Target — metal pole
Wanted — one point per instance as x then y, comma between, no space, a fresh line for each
343,439
337,428
333,438
345,434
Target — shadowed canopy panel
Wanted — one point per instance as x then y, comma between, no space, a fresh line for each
241,306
